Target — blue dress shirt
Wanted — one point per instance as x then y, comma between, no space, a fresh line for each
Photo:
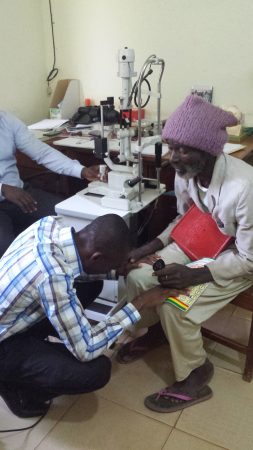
14,135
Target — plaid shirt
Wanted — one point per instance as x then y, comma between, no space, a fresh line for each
36,281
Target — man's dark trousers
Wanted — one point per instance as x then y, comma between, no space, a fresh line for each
13,220
43,370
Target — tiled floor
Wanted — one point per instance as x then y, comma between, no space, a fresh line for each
115,418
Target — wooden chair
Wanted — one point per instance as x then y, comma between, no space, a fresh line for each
245,301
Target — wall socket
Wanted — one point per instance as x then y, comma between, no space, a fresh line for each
206,92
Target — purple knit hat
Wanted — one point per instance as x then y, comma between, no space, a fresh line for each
199,124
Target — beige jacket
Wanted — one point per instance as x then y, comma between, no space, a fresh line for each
230,201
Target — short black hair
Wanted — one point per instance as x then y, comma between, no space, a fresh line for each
110,235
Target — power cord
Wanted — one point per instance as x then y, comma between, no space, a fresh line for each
134,91
31,426
54,71
142,105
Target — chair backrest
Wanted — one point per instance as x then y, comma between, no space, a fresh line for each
245,299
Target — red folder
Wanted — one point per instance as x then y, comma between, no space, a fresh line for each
198,236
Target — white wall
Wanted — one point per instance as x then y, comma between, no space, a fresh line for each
202,42
23,63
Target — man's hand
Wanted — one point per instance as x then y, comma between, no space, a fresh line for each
146,250
144,254
154,297
179,276
124,270
139,255
93,173
20,197
149,259
136,264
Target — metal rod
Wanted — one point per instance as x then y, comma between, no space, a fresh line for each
140,80
162,63
158,171
102,120
152,59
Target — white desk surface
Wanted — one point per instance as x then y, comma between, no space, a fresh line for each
113,145
85,207
89,207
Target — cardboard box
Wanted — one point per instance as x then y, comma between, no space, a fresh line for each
66,99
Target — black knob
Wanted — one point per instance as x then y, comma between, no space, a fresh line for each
133,182
159,264
158,154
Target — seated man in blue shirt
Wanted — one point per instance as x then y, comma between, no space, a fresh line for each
38,299
21,205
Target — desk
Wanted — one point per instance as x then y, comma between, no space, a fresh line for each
68,186
82,208
29,168
247,153
166,208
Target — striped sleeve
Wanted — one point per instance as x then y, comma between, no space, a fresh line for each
65,312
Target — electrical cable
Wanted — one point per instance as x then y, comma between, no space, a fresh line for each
31,426
135,90
142,105
54,71
147,220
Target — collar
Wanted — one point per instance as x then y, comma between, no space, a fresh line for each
202,188
213,192
69,249
217,180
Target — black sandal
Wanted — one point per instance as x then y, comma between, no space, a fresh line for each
168,400
139,347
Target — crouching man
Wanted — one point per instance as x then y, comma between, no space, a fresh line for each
39,297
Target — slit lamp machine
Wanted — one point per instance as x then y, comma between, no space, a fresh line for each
126,185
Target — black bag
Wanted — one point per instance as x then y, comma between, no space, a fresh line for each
87,115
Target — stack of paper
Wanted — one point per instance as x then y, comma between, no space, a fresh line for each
231,148
47,124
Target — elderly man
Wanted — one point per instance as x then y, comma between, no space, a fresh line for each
20,204
39,298
223,186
